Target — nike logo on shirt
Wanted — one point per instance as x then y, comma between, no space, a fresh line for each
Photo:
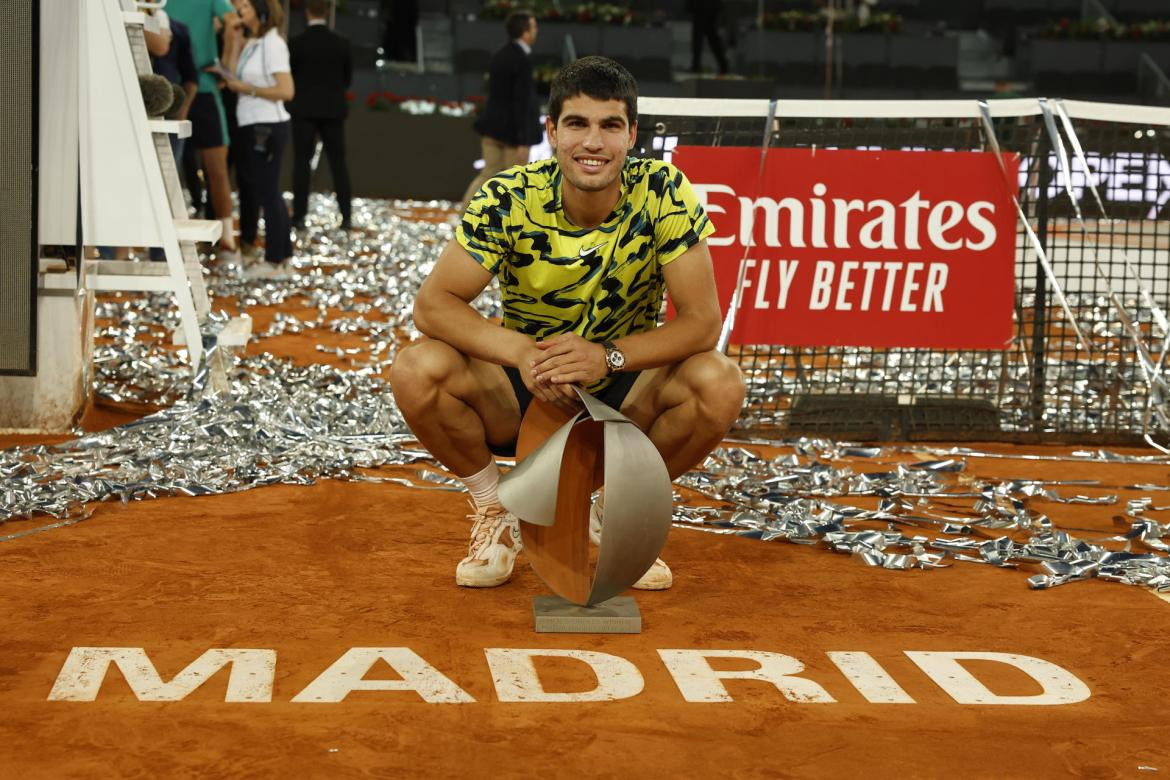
592,249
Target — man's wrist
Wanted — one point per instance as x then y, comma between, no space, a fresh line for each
521,351
615,359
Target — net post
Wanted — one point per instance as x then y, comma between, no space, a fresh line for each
1040,299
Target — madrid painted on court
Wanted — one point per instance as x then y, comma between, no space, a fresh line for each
515,677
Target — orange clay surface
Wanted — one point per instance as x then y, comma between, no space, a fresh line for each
311,572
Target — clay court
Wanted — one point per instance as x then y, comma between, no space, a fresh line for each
313,573
934,544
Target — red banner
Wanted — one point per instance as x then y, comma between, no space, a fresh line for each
860,248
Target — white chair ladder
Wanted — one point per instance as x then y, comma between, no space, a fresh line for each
175,232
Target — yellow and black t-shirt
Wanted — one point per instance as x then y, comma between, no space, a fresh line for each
601,283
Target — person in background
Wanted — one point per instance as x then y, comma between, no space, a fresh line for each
510,122
322,70
209,133
400,18
257,61
176,64
705,15
171,58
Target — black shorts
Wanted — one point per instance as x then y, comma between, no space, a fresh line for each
613,396
208,122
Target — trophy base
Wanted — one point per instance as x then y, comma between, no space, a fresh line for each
555,615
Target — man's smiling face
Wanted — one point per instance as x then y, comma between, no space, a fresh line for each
591,139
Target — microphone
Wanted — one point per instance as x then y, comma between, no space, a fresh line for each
156,93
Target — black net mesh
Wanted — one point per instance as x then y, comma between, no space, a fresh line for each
1046,383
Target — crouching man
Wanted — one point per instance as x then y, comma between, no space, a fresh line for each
584,246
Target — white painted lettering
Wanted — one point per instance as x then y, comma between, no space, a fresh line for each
745,278
891,270
702,193
936,282
841,209
886,223
912,206
982,224
818,216
869,678
944,216
84,670
698,682
747,220
1059,686
822,287
762,289
844,285
786,270
516,679
347,674
909,286
870,267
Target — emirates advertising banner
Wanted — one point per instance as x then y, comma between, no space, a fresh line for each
840,247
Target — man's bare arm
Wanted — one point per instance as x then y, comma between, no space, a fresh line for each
690,283
190,90
443,312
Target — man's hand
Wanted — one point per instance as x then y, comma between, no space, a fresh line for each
560,394
570,359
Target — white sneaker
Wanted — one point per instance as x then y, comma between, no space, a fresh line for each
262,269
495,540
657,577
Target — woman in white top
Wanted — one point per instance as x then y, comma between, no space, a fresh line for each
258,57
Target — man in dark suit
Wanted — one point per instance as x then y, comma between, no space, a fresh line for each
705,18
322,71
510,122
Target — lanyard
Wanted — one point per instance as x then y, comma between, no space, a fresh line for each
246,55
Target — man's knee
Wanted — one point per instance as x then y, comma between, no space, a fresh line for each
422,367
717,385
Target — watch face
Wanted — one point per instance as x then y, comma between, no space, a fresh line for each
616,358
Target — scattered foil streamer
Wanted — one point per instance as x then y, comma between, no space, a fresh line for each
786,498
275,421
279,422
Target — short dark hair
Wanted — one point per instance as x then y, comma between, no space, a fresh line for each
597,77
517,24
318,9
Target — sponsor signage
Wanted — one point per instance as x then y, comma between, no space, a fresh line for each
1121,179
860,247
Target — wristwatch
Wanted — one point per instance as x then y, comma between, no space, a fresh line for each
615,359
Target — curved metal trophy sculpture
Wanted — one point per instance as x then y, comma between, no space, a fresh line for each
562,458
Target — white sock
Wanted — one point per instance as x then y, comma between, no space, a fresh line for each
482,485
